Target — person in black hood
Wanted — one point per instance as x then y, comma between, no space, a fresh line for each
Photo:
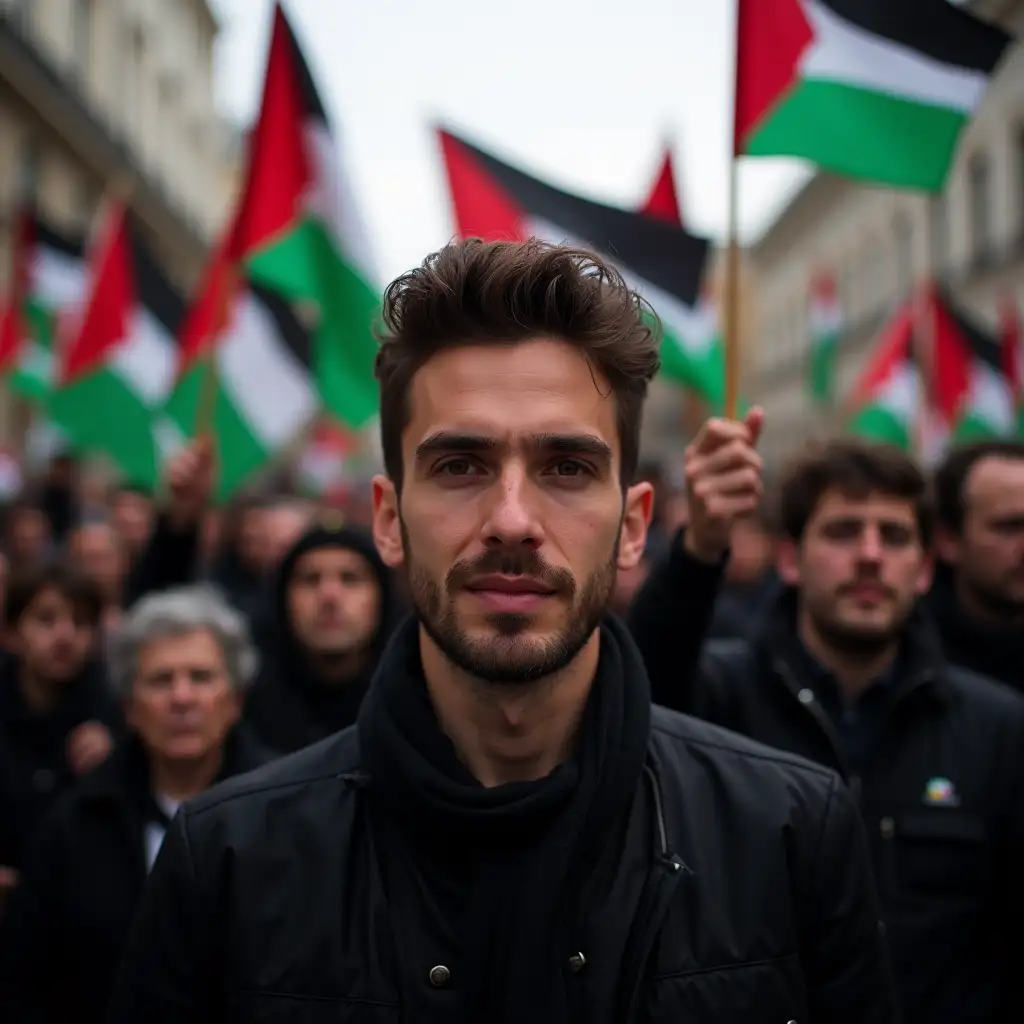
978,594
335,609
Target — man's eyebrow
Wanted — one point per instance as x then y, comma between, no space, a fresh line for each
568,444
449,441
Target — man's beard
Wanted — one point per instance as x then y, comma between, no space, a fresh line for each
511,658
863,643
994,601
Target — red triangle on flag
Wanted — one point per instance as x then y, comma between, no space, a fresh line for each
211,309
1011,343
13,329
106,319
663,202
279,169
482,208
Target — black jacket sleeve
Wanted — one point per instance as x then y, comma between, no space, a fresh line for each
170,968
842,945
669,620
1009,881
30,933
170,559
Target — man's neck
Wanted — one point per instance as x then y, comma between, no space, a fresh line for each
40,695
337,668
853,673
975,608
509,734
180,780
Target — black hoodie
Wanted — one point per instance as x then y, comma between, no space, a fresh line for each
289,707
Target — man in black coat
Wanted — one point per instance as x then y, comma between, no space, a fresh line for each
512,833
845,668
182,659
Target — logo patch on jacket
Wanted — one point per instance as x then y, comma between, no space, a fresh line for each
940,792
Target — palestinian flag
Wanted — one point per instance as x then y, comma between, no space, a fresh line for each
1011,342
243,350
692,355
323,464
48,279
298,232
970,380
118,361
657,258
887,399
872,89
826,322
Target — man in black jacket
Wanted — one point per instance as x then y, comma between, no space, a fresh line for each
978,595
846,670
181,659
512,833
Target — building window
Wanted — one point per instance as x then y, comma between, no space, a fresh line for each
81,36
979,189
29,167
903,238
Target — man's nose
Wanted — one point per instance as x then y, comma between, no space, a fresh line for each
511,516
871,546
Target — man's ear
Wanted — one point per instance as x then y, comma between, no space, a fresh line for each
787,562
387,526
636,517
947,545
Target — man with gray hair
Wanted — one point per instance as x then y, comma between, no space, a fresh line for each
182,660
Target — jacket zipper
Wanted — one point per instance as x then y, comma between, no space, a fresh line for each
655,899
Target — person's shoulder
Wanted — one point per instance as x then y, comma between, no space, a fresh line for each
331,763
693,745
980,699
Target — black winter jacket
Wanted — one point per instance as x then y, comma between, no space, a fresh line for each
266,903
943,800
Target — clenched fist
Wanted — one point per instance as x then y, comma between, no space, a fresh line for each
723,482
189,482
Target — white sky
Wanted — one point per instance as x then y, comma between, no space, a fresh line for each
583,93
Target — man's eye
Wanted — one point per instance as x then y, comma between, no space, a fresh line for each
570,468
456,467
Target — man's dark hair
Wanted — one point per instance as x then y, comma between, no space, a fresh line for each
76,588
951,477
501,293
856,469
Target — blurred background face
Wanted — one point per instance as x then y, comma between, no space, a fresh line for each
28,535
132,515
989,554
282,527
53,638
250,545
511,506
334,602
182,702
98,552
860,568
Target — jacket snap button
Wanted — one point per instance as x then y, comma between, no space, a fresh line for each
888,828
577,962
439,976
806,697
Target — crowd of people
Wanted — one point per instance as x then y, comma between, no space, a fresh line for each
861,621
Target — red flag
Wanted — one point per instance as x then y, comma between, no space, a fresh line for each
13,329
663,202
106,319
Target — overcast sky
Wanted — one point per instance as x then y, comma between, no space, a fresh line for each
584,93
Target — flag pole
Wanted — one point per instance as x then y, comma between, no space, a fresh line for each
731,298
924,339
731,289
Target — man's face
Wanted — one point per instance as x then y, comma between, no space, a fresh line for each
334,601
53,638
29,534
860,568
512,521
132,514
98,552
989,553
182,703
282,527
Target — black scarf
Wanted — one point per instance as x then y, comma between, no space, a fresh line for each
529,850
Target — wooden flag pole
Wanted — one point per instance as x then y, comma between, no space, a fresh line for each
731,297
208,381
